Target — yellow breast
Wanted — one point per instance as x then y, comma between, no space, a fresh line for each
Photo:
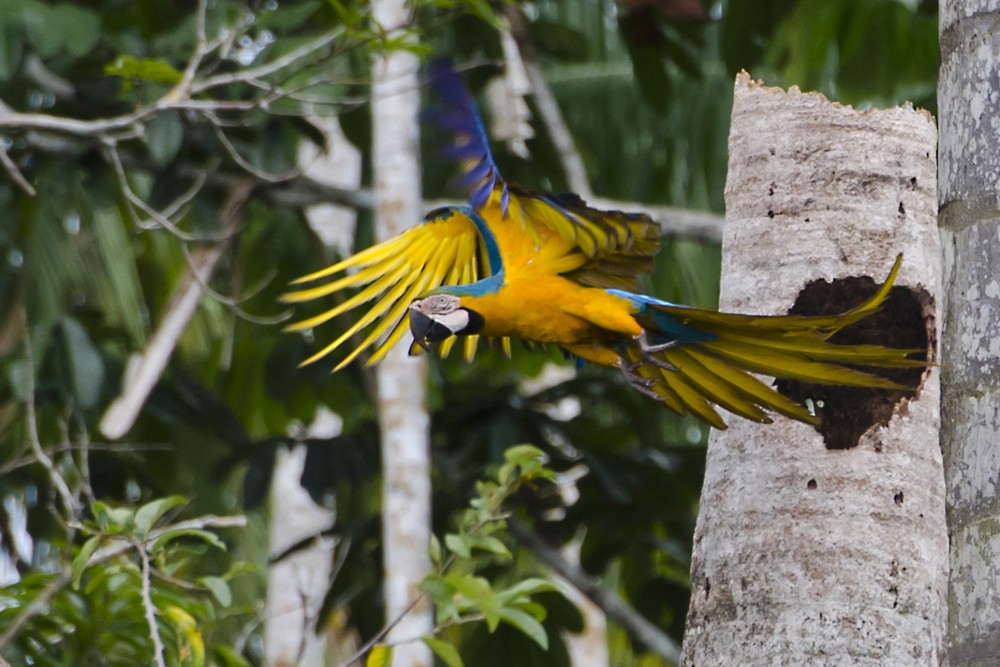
552,309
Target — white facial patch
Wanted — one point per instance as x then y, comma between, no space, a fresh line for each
455,321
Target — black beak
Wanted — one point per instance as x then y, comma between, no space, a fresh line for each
426,330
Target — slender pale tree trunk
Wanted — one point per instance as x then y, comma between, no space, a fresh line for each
402,415
806,555
297,584
969,197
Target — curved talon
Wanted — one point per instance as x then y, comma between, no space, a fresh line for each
648,350
641,384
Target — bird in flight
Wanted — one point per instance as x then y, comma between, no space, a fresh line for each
544,268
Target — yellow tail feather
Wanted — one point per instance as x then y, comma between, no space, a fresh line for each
793,347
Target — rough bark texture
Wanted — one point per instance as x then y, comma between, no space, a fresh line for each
968,98
403,419
805,554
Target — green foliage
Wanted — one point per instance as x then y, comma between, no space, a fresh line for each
460,595
102,618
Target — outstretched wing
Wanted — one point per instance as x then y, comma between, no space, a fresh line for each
453,246
614,248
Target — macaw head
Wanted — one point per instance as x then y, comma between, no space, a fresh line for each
438,316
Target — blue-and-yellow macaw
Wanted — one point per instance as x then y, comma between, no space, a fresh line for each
551,270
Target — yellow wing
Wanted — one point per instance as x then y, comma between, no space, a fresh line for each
447,249
611,248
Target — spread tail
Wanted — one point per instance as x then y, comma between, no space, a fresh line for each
694,359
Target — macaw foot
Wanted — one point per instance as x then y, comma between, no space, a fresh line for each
630,371
648,349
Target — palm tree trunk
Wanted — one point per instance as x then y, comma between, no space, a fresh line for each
402,415
970,410
805,554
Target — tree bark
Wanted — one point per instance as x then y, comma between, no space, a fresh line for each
970,233
402,416
298,583
805,554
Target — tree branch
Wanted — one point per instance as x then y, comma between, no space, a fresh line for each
616,608
548,107
143,374
150,610
304,192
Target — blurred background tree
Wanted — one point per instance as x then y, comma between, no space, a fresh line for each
155,211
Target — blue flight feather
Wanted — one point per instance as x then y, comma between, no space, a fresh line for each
662,323
461,117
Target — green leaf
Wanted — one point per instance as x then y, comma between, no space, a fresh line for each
650,74
479,595
523,462
445,651
63,28
11,44
458,544
17,378
289,16
143,69
379,656
120,298
177,533
219,589
112,519
147,515
559,40
227,656
434,550
523,454
527,624
80,28
526,588
164,134
490,544
83,558
41,29
86,366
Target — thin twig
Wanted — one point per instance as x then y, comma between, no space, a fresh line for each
607,600
287,60
201,49
14,172
134,201
370,644
16,464
39,605
59,484
150,610
186,197
85,447
243,162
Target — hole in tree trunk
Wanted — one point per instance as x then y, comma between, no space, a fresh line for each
906,320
